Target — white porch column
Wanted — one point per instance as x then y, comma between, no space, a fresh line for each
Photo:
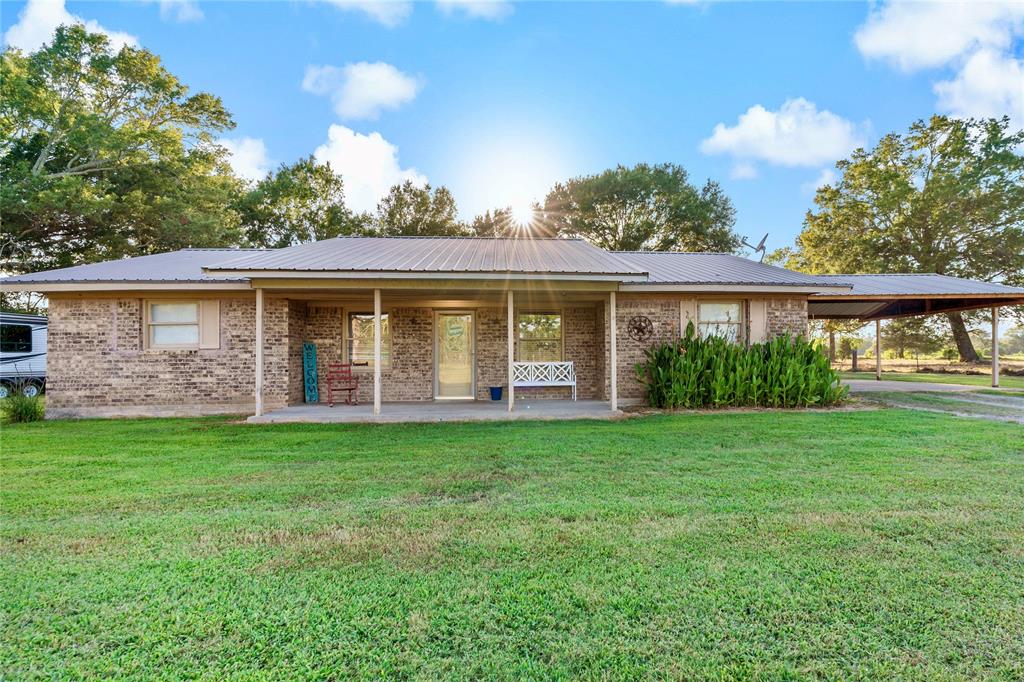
614,355
376,352
511,350
995,347
878,350
259,351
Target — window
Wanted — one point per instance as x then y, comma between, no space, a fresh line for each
540,337
721,318
360,340
174,325
15,338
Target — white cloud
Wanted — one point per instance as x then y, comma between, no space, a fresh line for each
491,10
917,35
979,40
795,135
827,176
180,10
988,84
361,90
367,163
743,170
388,13
38,20
248,157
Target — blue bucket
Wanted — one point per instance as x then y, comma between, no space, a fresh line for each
496,392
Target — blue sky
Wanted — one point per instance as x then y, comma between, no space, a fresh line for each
498,100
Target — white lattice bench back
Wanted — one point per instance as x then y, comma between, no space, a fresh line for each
539,374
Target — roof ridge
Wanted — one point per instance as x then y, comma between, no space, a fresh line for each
891,274
466,237
687,253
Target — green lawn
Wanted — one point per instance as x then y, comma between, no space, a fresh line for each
857,545
940,378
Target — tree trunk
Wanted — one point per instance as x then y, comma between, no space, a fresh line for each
832,346
962,338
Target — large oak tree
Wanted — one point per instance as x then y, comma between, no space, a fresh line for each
106,154
946,197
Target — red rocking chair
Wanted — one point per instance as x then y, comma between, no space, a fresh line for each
341,379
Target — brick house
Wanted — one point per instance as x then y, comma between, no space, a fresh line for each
205,331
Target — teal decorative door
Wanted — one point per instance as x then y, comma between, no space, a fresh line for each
309,372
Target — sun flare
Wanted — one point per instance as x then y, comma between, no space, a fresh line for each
522,213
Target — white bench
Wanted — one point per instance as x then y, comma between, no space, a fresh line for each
538,374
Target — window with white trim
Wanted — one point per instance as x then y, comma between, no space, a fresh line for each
540,337
721,318
359,332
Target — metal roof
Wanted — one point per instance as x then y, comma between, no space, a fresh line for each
925,284
673,267
437,255
176,266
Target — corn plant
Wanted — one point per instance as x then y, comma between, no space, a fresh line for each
696,372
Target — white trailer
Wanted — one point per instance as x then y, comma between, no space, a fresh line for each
22,353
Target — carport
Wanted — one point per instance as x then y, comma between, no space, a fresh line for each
882,297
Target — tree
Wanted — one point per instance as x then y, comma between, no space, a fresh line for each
497,224
106,155
411,211
911,335
642,208
1013,342
301,202
947,197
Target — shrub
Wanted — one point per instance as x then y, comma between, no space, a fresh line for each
713,372
17,407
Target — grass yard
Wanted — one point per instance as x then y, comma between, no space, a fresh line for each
857,545
940,378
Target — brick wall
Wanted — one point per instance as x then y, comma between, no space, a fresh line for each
410,376
787,316
663,311
297,312
97,364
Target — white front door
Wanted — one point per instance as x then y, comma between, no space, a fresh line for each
454,355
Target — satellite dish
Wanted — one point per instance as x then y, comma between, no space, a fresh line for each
757,249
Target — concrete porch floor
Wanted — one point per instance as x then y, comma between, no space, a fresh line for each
439,411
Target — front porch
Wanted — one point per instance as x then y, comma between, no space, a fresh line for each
439,411
435,355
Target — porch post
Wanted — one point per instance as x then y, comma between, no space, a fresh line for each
995,347
614,356
259,351
878,350
376,352
511,351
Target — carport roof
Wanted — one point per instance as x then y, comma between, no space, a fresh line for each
884,296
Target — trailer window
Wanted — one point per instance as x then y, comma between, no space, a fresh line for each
15,338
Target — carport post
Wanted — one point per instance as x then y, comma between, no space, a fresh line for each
878,350
995,347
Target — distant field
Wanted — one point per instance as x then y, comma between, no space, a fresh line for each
940,378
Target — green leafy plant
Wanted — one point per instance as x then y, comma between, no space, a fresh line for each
696,372
18,407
